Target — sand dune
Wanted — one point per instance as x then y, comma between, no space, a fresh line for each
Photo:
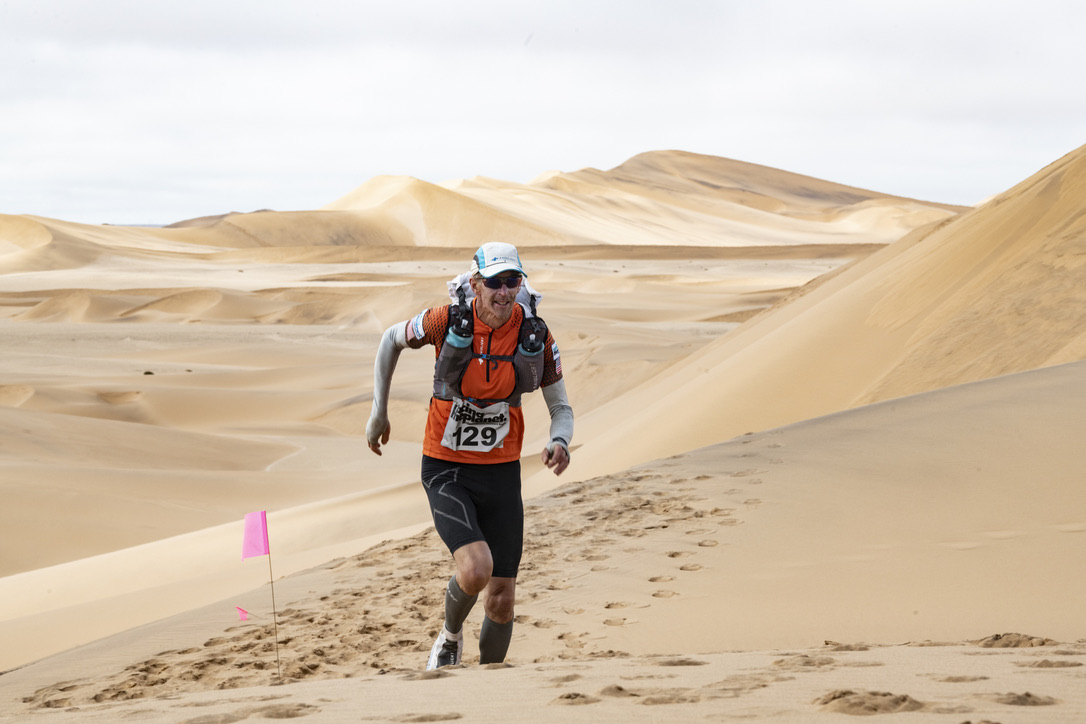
429,215
908,373
686,199
992,292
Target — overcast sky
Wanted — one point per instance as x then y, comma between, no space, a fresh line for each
153,111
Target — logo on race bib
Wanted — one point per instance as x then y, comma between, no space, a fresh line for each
472,415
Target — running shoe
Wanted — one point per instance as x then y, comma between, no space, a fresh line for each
447,650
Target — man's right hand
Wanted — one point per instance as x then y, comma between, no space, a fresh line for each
377,432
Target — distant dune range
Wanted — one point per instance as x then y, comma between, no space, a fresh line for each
805,412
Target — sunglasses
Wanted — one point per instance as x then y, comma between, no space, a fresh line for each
498,282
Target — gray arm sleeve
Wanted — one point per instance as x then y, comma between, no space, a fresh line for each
393,341
561,413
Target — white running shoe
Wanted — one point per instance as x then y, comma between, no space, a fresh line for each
447,650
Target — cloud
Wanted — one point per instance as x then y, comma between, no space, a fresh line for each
135,112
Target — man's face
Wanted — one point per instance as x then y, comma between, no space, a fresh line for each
495,306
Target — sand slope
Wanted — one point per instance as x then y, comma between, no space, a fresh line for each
779,540
253,334
159,383
994,291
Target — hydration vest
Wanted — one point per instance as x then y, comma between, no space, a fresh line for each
457,352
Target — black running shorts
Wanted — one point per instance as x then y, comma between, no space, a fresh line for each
478,503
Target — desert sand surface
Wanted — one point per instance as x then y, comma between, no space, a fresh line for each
827,458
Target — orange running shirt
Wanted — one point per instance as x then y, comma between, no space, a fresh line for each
484,379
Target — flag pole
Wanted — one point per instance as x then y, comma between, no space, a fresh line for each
275,622
254,542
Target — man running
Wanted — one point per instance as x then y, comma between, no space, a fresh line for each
490,349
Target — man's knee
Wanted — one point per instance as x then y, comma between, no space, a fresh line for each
474,567
499,604
473,579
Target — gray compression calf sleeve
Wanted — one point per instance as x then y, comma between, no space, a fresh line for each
494,641
457,606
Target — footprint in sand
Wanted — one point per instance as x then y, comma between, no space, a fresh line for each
1049,664
677,554
1026,699
961,679
804,662
451,716
664,594
682,662
708,544
571,640
427,675
575,698
566,679
270,711
847,701
690,567
540,623
661,579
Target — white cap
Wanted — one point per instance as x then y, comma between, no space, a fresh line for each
495,258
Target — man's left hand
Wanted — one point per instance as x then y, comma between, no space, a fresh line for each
556,458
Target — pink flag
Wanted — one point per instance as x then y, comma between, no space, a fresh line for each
255,542
242,613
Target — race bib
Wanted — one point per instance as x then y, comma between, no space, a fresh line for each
476,428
